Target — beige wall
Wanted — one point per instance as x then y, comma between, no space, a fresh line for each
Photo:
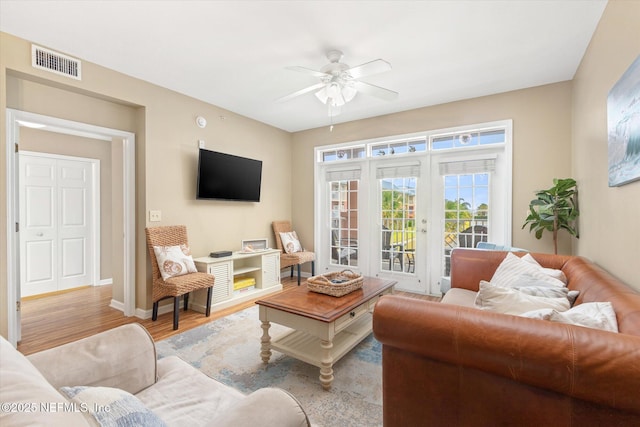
541,147
166,155
609,228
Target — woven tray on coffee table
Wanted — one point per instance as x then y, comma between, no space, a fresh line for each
336,284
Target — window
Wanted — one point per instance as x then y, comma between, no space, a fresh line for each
343,196
340,154
395,207
468,139
466,212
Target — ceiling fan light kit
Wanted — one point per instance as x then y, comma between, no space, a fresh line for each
339,83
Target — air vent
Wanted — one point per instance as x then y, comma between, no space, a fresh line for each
55,62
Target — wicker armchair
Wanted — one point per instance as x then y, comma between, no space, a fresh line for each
295,258
177,286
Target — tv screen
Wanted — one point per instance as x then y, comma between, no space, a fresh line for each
227,177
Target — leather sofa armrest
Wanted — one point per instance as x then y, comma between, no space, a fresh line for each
123,357
264,407
589,364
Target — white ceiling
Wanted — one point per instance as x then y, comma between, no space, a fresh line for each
232,53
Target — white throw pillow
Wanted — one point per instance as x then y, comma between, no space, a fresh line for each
290,242
511,301
544,290
556,274
514,271
174,261
597,315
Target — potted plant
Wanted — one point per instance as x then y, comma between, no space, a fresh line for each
555,209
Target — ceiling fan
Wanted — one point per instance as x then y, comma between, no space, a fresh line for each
339,83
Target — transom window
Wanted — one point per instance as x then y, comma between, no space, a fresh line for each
415,146
467,139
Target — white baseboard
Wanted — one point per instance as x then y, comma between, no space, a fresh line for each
117,305
139,313
105,282
162,309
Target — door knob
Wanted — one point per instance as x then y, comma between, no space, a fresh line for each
39,234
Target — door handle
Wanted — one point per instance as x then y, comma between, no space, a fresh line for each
39,234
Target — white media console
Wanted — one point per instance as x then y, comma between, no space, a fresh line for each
263,266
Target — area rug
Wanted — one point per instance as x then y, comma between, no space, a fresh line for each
228,349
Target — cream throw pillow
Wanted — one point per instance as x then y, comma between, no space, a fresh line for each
511,301
597,315
174,261
544,291
514,271
290,242
556,274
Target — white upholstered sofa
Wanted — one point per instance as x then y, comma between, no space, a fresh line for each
116,374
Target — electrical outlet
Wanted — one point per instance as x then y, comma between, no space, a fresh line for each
155,216
201,143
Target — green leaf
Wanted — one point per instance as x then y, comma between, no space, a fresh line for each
554,208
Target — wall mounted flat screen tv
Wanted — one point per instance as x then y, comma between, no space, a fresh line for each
226,177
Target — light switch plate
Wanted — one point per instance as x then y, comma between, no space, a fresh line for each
155,216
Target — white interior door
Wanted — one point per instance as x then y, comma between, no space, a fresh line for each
74,225
38,247
56,224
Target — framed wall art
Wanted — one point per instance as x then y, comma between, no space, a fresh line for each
623,126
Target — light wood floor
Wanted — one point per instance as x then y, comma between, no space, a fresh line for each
58,319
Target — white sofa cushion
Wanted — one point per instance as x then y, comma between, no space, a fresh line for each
30,399
185,396
107,359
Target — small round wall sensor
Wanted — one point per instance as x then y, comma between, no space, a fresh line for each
201,121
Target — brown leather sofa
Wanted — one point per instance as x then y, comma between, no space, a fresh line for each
450,365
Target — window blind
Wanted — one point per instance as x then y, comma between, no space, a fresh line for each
468,166
343,175
398,171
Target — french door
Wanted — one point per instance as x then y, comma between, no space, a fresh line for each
396,209
375,222
402,190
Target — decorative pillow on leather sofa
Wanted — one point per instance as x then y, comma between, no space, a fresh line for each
597,315
556,274
514,271
507,300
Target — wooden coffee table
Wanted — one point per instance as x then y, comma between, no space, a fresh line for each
324,328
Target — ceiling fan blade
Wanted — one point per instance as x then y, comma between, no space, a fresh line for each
307,71
300,92
377,91
369,68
